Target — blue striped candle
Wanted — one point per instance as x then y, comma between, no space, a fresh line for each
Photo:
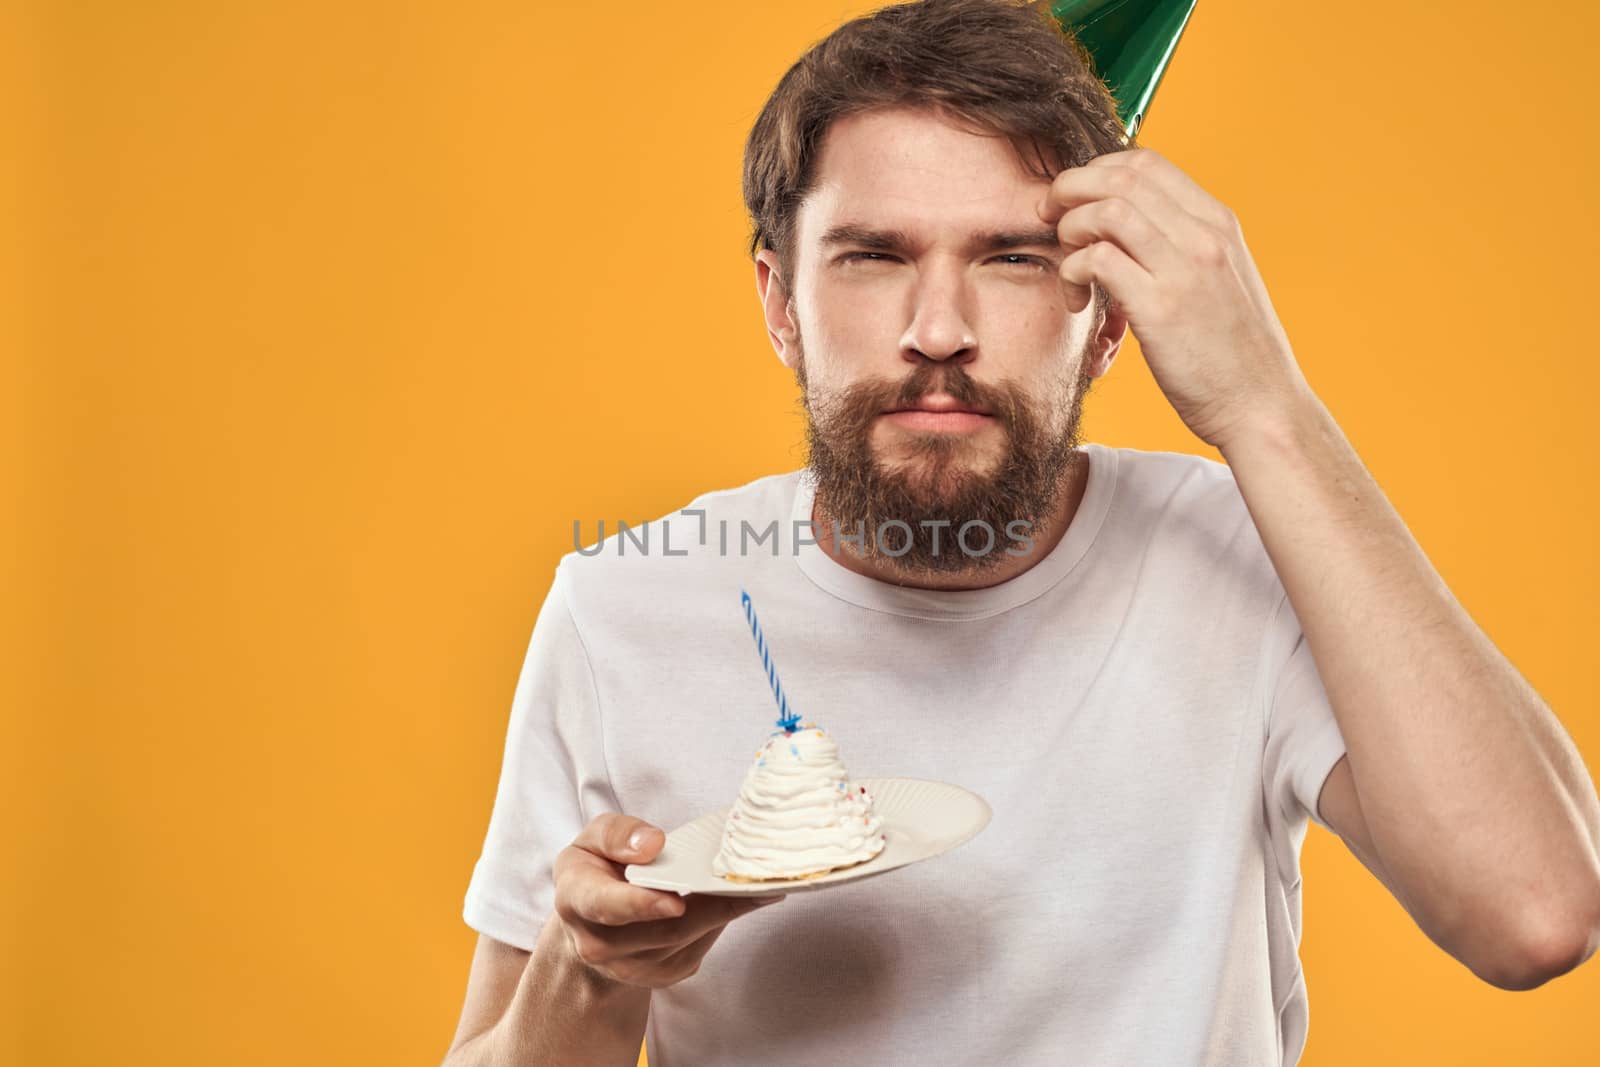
786,719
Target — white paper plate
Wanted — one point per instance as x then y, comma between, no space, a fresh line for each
921,819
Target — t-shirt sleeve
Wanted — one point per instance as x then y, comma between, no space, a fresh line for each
553,779
1303,738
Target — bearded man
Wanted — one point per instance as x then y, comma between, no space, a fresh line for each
1157,669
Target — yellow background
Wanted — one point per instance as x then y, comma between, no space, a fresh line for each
336,315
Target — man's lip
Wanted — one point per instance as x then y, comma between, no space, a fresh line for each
940,405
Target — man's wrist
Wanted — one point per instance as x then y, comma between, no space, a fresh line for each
1276,429
569,970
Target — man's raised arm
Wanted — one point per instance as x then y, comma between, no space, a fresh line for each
1461,781
1460,785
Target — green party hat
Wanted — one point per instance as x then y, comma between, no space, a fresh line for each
1132,42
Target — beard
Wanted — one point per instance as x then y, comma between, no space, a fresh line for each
937,484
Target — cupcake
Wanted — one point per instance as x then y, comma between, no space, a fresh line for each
798,814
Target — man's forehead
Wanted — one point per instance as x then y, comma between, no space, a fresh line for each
917,174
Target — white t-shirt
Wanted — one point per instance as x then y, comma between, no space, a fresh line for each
1139,709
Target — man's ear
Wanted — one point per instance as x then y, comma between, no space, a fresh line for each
775,298
1112,326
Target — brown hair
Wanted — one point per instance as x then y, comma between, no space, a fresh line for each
996,66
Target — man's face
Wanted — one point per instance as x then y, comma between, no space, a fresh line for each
943,374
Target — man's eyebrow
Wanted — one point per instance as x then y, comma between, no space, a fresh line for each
850,233
1004,239
896,240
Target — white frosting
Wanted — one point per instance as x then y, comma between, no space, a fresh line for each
798,812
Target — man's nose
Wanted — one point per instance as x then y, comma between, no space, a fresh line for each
940,320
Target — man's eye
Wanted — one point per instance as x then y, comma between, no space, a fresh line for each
1021,261
1008,260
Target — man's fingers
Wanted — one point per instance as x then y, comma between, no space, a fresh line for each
618,904
661,939
589,882
621,839
589,889
614,924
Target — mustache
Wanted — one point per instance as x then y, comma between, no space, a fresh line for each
866,400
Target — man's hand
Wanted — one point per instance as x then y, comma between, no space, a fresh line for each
626,933
1174,261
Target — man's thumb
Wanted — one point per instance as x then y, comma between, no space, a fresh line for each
621,838
644,843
